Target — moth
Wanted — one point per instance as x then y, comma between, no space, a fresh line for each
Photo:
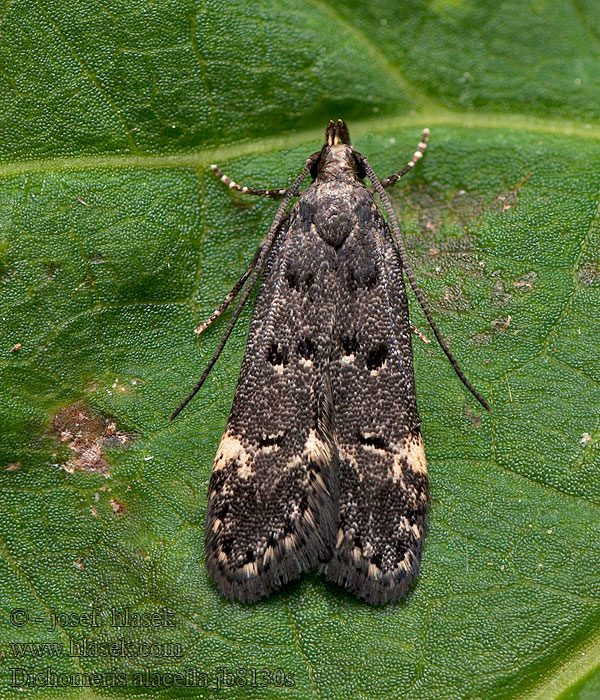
322,461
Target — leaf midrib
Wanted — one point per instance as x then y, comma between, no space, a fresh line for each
201,158
583,660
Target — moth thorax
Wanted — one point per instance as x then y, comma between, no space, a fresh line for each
337,163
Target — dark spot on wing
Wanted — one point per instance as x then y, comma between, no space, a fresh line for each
303,503
269,440
373,441
349,344
306,348
376,356
362,273
276,354
222,513
299,278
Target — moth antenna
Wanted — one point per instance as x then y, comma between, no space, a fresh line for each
276,193
260,263
417,155
230,297
412,279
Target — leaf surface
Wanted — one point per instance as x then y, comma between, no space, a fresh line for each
116,241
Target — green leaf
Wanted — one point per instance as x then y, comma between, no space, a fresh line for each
116,240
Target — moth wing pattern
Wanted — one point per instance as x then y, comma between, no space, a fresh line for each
383,482
273,496
322,461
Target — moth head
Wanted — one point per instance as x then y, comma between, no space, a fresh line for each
336,133
337,159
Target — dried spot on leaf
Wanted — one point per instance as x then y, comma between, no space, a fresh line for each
434,209
88,435
526,281
454,301
484,338
13,466
588,273
509,199
467,207
504,201
117,506
435,253
500,297
501,324
476,420
121,388
16,347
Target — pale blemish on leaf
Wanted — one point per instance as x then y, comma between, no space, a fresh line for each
88,435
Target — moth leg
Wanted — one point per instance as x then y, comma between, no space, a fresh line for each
230,297
274,193
418,154
420,335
